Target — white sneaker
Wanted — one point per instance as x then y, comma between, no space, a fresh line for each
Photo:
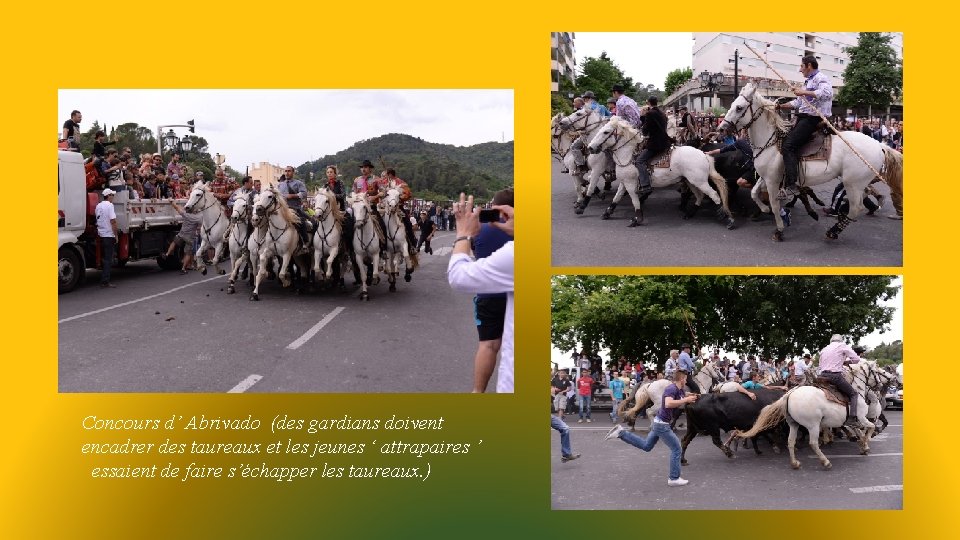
589,420
677,482
614,432
580,421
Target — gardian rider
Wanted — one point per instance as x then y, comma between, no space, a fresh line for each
833,358
815,95
382,185
367,183
655,130
294,191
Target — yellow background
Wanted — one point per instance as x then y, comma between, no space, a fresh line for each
502,489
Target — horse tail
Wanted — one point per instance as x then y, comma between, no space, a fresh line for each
641,399
770,416
893,171
721,183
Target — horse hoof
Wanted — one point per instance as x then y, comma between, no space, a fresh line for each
634,223
795,465
407,277
231,290
832,235
203,271
578,211
605,216
254,297
731,225
222,272
828,465
778,236
683,462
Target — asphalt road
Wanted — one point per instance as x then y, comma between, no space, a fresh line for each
612,475
666,239
165,332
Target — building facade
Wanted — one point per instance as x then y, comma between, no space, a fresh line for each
714,52
563,59
267,173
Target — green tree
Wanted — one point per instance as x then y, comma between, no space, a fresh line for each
645,316
599,75
676,78
887,353
874,76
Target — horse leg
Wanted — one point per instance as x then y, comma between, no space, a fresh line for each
198,260
792,442
284,272
217,252
631,184
814,431
756,195
234,270
261,274
775,209
364,294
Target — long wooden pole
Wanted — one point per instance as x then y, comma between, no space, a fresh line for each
820,114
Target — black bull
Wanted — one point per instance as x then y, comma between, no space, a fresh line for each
716,412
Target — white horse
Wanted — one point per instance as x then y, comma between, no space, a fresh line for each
326,239
757,115
808,406
255,245
366,243
710,379
281,238
237,240
213,225
560,142
397,242
686,162
651,392
587,122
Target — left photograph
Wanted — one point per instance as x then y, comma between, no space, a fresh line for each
285,240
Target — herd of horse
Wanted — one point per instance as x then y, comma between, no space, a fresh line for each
613,143
261,235
814,407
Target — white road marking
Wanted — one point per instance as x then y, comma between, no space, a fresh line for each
874,489
245,384
859,456
115,306
297,343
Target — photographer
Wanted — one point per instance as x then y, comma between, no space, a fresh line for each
493,274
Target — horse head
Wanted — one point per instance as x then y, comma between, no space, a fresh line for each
737,117
392,198
241,210
606,136
265,202
321,202
361,208
580,119
197,193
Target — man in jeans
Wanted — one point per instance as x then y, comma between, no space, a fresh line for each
107,231
566,454
584,393
833,358
672,402
616,394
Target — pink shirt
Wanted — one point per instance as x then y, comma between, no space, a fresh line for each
833,355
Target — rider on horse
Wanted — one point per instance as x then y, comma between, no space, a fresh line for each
294,191
390,177
816,94
832,359
655,130
367,183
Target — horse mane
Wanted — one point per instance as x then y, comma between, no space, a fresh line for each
284,209
770,113
334,207
624,124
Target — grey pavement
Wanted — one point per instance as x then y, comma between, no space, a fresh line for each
165,332
612,475
667,240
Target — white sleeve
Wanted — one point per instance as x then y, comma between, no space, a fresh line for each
112,213
490,275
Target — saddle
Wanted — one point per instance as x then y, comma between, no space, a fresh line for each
660,162
830,391
818,147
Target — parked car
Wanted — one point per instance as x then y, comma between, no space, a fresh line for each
894,398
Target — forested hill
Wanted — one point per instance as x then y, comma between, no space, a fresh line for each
434,171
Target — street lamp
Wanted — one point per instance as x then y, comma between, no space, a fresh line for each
711,81
171,140
186,145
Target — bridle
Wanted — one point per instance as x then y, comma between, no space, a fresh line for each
586,126
361,225
754,116
615,133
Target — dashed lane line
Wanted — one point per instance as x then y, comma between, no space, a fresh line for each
123,304
245,384
859,455
875,489
297,343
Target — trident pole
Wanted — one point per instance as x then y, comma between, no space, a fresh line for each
820,114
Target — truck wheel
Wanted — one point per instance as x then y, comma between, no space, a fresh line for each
70,270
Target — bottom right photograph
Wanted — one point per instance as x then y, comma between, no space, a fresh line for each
726,392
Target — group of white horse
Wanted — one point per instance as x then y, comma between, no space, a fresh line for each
265,230
853,160
805,405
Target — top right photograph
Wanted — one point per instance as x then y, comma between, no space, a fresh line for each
727,149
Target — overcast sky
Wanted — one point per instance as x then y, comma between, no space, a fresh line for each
646,57
895,332
289,127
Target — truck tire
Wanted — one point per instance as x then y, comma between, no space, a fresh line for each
70,270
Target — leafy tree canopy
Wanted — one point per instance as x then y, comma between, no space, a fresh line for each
874,76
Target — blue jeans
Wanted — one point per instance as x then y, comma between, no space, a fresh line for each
584,404
658,430
564,430
616,405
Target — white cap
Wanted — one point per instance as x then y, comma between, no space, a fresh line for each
836,337
107,192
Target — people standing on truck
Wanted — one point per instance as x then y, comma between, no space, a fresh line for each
107,231
71,130
99,146
187,237
111,169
